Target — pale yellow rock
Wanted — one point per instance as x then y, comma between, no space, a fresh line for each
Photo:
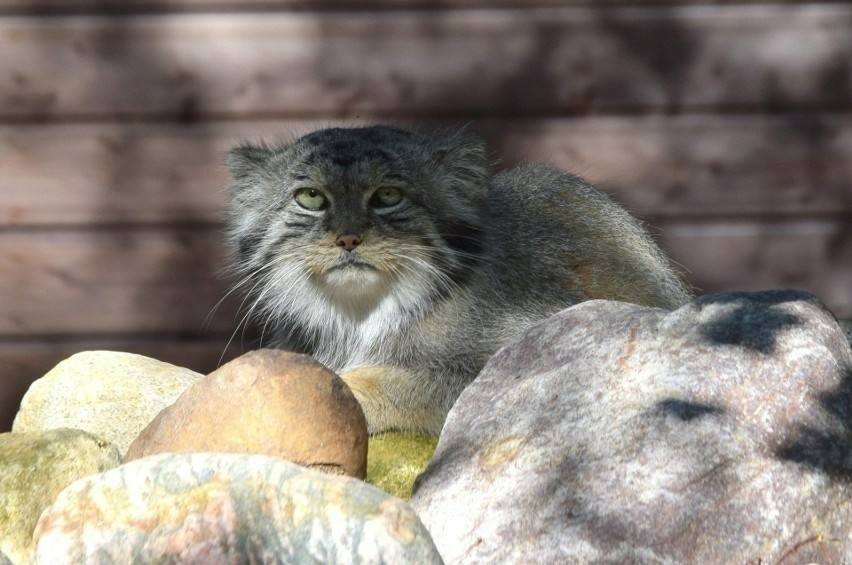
34,468
110,394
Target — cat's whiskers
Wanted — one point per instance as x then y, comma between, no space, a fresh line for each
236,287
426,258
284,293
440,278
260,280
343,341
287,295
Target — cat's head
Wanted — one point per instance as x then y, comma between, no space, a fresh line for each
349,218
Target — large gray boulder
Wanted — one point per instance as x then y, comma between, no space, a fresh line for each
717,433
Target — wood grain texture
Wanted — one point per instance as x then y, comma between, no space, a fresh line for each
165,282
134,6
553,61
729,255
109,282
672,167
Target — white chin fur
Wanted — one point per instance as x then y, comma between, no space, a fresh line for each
356,292
355,281
352,313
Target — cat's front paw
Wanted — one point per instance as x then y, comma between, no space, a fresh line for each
390,401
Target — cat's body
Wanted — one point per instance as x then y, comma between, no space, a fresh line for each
402,263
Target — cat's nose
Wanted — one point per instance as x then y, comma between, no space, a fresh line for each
349,241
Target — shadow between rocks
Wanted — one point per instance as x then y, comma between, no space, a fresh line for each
445,459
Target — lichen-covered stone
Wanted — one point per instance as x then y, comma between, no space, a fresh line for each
228,508
395,459
34,468
110,394
266,402
717,433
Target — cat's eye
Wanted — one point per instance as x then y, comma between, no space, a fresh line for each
311,198
386,197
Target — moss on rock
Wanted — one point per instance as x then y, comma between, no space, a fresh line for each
395,459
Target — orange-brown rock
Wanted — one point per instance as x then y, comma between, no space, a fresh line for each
266,402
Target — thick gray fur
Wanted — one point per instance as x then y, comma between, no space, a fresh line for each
467,260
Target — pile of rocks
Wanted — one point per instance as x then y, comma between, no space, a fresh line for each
205,469
720,432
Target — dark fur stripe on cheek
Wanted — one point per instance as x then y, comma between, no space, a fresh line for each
466,241
282,238
272,251
463,237
249,244
299,225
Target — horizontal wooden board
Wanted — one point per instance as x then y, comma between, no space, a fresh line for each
22,361
165,282
664,167
107,282
425,62
697,167
71,292
813,256
135,6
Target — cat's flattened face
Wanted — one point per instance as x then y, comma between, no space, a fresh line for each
353,211
354,214
359,229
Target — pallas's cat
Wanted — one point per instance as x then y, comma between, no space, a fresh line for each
403,261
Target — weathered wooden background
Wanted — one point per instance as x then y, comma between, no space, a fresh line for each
728,127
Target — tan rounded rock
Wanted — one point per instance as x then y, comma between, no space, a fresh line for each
265,402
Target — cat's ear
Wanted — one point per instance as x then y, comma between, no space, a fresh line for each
247,160
462,159
462,150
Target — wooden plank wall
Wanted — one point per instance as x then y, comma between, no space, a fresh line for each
728,127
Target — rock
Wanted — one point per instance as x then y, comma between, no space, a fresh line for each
34,468
227,508
109,394
717,433
266,402
395,459
847,327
